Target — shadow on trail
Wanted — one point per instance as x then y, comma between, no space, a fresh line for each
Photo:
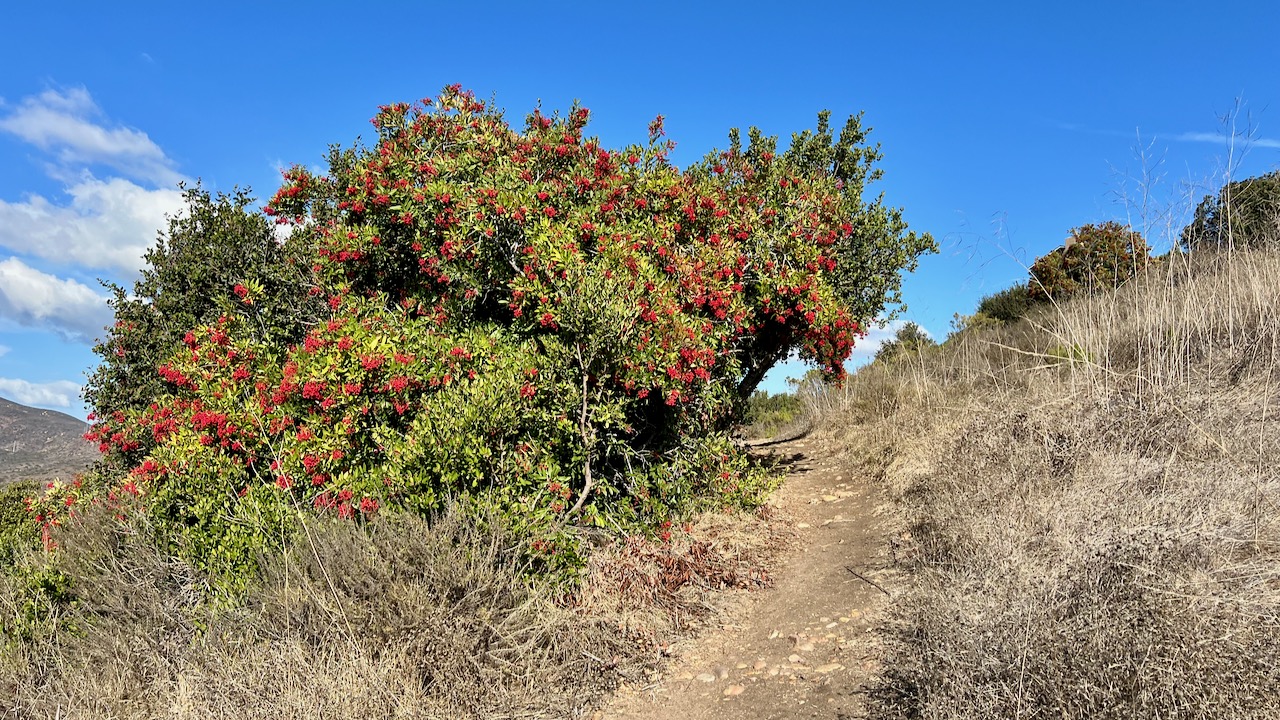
770,442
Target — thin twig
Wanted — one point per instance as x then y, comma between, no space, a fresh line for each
867,580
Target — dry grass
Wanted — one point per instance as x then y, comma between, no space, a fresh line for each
666,588
402,619
1088,505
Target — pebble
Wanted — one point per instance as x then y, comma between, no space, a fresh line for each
832,624
795,659
733,690
805,647
844,619
829,498
760,665
774,635
722,672
829,667
706,677
802,526
740,666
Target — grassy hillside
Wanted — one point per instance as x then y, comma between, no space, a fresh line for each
1087,503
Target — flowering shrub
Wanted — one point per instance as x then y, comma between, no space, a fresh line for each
215,244
519,318
1095,256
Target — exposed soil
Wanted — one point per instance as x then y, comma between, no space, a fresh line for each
804,648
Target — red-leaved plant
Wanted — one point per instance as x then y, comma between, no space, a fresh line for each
519,318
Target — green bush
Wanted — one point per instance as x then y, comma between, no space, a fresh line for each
1102,256
17,529
911,339
215,243
1244,213
33,593
1007,305
767,414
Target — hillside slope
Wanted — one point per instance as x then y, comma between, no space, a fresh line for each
1086,504
41,444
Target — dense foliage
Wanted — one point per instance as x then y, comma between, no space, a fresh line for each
910,339
1007,305
217,242
519,318
1098,256
768,413
1244,213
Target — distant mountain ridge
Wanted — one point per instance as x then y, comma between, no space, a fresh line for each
38,444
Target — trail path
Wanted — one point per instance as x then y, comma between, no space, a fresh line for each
803,648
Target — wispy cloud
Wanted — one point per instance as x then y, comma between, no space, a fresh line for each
1221,139
118,187
67,124
56,394
1215,138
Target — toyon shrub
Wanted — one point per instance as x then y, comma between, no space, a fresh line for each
516,318
1095,256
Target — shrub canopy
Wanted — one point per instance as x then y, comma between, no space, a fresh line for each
1095,256
1244,213
518,317
910,339
1008,305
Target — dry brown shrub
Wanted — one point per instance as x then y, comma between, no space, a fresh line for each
402,618
660,589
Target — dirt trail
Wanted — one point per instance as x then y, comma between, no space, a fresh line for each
804,648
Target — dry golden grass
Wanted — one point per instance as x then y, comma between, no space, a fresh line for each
400,620
1088,504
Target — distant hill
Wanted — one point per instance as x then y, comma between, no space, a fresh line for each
41,444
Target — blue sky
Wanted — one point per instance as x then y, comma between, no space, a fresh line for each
1003,125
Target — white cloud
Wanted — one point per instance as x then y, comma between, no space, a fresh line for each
64,123
36,299
4,350
1220,139
109,224
56,394
865,349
